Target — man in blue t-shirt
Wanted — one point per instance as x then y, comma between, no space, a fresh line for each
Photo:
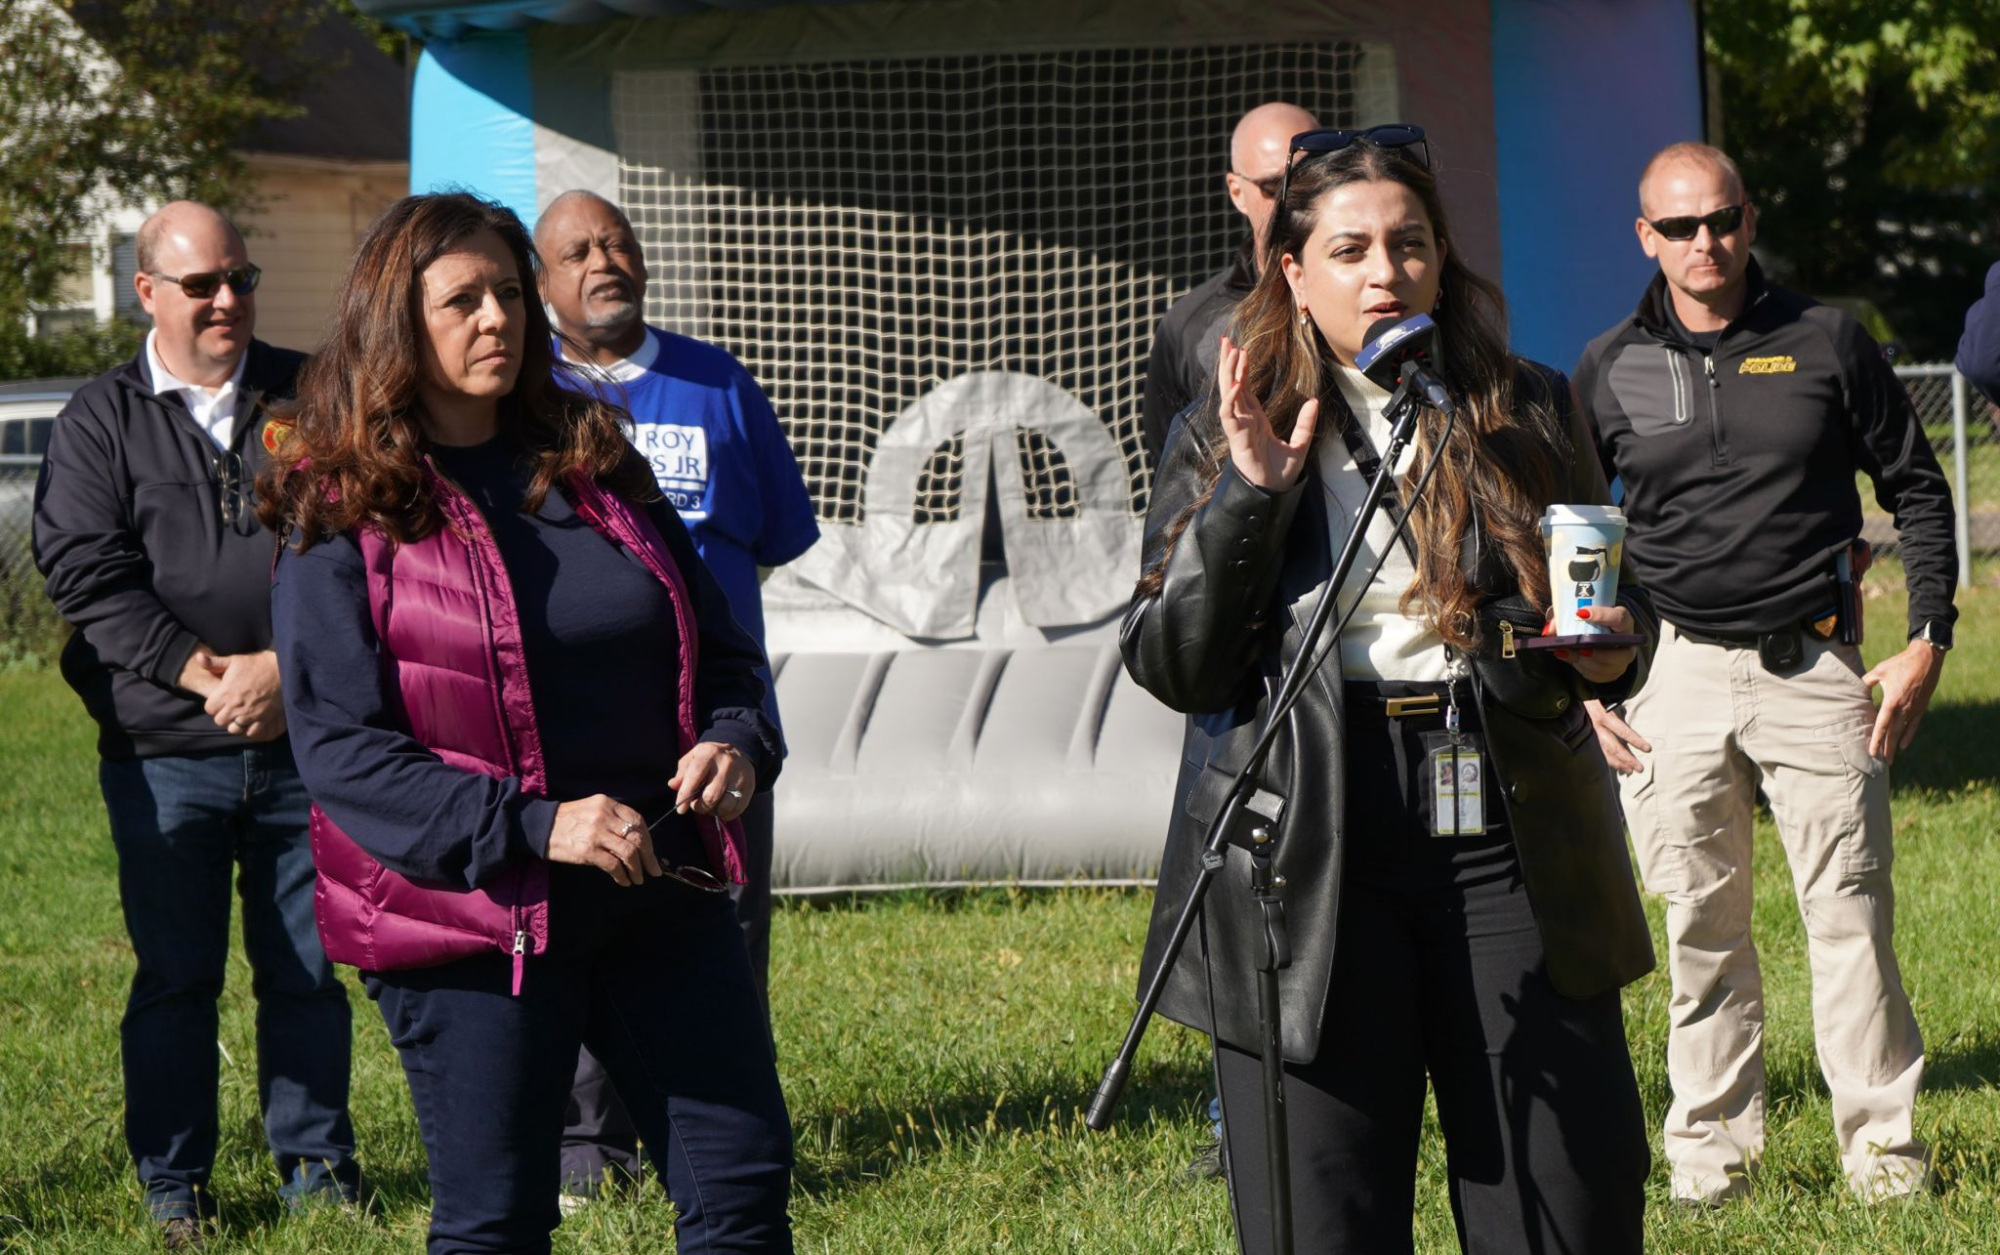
721,459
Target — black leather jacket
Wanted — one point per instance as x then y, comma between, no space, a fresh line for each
1239,588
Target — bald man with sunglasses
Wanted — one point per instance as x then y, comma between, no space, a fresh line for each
145,533
1738,415
1184,345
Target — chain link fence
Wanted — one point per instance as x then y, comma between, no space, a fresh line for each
29,625
1963,427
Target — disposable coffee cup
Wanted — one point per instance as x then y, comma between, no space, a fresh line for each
1584,544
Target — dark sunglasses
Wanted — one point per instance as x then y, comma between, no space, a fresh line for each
687,873
228,469
1396,136
242,281
1268,187
1723,221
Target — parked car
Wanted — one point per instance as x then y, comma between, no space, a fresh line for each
28,410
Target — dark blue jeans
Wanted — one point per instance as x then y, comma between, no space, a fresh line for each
655,979
181,824
599,1140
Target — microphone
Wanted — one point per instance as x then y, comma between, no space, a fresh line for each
1398,352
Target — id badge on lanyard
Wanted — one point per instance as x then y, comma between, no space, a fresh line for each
1456,770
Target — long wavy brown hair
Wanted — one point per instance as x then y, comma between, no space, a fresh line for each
350,446
1501,466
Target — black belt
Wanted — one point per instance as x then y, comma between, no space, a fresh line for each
1781,652
1406,699
1818,629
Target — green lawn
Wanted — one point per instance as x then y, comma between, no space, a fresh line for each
937,1051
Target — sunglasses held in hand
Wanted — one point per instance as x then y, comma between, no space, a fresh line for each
242,281
1720,222
687,873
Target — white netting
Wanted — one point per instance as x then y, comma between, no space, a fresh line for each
859,232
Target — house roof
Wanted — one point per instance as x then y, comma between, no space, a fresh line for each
357,109
444,19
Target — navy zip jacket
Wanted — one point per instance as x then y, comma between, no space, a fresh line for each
130,534
1979,349
1739,464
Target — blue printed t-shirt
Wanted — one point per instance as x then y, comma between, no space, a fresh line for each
720,457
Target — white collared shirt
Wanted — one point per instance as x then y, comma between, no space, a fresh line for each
214,409
624,370
1381,642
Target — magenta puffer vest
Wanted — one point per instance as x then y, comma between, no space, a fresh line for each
444,611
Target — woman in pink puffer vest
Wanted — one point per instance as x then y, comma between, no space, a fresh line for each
528,723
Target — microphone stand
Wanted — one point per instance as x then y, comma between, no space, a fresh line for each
1245,796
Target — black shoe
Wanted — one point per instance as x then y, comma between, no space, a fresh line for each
1207,1165
183,1233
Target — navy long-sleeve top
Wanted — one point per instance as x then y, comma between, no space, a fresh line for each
1979,348
603,660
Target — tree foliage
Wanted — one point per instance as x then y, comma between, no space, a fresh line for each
1870,137
110,101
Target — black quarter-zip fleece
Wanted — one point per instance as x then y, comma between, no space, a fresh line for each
1739,463
130,534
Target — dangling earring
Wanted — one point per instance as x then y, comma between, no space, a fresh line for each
1437,306
1305,316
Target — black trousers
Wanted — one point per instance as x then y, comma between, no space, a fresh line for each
1440,974
599,1141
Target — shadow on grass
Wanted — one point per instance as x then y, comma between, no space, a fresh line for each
1960,1064
878,1145
1953,749
983,898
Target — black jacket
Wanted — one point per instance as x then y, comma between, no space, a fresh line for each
1739,466
1185,348
130,536
1230,617
1979,349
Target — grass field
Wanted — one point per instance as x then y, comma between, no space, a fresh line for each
937,1050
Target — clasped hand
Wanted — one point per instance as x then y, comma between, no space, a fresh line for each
242,692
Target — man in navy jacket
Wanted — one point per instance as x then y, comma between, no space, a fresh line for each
145,532
1979,348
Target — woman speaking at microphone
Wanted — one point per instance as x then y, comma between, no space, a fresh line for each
1473,928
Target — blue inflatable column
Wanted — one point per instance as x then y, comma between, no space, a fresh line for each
472,120
1584,93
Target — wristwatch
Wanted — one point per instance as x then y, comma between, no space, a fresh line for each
1936,633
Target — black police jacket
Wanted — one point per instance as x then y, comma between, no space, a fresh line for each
1740,463
1214,643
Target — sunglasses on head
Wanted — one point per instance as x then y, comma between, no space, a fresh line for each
1396,136
1723,221
242,281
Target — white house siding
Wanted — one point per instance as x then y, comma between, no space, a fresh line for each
303,234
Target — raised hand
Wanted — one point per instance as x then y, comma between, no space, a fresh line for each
1259,454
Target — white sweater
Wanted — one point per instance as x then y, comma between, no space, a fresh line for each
1381,642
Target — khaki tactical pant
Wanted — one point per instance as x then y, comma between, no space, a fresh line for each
1720,726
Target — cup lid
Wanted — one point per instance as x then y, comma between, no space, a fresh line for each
1561,515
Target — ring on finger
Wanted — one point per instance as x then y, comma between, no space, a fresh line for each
626,831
